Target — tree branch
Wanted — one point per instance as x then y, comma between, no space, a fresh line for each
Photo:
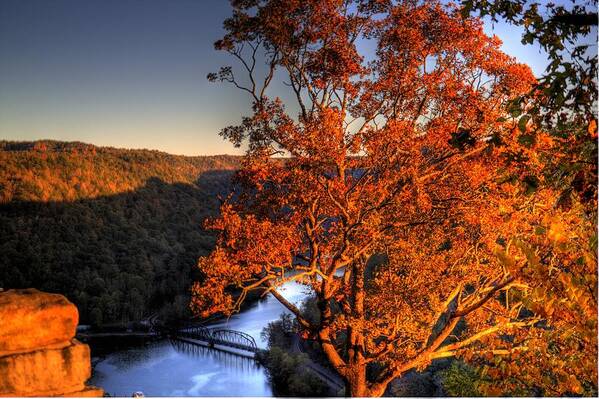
292,308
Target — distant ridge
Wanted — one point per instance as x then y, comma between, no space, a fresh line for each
62,146
117,231
48,170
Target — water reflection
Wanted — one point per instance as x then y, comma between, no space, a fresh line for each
225,358
177,369
164,369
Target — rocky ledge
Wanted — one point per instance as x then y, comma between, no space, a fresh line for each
39,355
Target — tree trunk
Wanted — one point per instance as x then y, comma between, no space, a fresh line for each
355,384
356,376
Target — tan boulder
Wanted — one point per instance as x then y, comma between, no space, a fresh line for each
45,372
38,354
34,319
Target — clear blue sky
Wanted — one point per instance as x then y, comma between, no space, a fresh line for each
130,73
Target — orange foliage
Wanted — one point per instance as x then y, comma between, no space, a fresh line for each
411,155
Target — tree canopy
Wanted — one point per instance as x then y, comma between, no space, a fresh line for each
410,155
564,100
567,32
561,244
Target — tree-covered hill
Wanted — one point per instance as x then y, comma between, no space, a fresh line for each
117,231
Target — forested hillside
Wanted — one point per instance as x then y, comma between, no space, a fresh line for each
117,231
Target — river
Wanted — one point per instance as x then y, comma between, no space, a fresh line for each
173,368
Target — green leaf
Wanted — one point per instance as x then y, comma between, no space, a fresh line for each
514,108
522,123
526,139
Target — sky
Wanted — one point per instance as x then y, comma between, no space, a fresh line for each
131,73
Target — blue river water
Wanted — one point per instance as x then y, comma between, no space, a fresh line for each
173,368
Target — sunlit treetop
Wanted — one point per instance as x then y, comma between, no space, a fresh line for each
409,156
567,31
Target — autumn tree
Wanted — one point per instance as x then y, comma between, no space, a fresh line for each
564,100
567,31
395,142
553,248
557,120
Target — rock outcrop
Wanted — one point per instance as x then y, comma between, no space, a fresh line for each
39,355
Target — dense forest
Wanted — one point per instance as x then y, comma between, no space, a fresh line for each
117,231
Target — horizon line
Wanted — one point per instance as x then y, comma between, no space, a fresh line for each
117,147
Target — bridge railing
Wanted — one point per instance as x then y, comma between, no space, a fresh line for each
231,338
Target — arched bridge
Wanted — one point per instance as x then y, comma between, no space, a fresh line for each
228,338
